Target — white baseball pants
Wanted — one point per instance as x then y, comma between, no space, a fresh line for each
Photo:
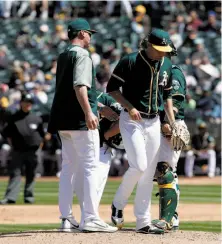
79,149
142,141
102,175
190,159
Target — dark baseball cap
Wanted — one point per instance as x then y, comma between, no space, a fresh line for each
78,25
27,98
160,40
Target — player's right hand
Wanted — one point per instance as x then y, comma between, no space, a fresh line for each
135,114
166,129
92,121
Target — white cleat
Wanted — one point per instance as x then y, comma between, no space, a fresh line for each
69,225
98,225
175,221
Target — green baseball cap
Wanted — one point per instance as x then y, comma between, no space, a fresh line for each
79,24
160,40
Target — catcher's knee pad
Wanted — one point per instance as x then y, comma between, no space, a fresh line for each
168,191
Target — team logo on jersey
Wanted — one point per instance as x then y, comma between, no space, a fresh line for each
164,80
176,84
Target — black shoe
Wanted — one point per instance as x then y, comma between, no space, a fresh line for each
150,229
6,201
117,217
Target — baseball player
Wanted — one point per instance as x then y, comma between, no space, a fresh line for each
109,130
203,147
167,162
142,95
74,117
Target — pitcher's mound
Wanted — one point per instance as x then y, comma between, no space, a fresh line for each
120,237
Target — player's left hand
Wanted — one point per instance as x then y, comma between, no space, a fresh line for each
180,136
109,114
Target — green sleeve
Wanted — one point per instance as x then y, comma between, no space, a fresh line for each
119,75
105,99
178,87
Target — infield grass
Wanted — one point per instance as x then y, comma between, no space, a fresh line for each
47,193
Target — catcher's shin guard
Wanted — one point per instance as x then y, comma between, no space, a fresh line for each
168,195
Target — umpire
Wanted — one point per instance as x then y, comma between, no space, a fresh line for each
24,133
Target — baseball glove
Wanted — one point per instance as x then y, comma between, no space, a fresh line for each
115,142
180,136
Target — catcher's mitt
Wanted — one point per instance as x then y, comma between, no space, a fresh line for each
180,136
115,142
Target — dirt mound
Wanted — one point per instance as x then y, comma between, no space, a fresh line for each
123,237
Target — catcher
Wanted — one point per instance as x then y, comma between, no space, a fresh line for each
173,139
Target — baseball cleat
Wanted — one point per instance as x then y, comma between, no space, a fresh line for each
69,225
161,224
175,221
98,225
6,201
151,229
117,217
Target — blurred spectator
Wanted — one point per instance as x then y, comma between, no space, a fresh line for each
190,39
7,8
190,104
180,22
200,53
44,10
140,25
209,105
23,39
212,26
42,40
175,37
114,59
218,88
3,57
194,21
202,147
125,7
95,56
59,35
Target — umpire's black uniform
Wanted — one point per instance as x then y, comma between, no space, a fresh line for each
25,133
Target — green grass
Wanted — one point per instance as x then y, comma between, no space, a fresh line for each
194,226
47,193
